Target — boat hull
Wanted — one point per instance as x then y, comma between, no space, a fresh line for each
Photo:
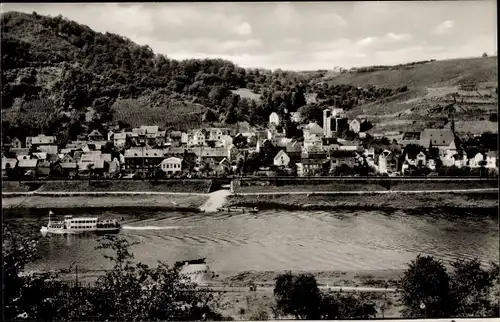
61,231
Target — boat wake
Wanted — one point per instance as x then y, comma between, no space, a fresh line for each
153,227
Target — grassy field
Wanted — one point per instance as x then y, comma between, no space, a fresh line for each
385,201
439,73
164,202
351,185
246,93
184,186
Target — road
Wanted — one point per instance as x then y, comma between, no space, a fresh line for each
241,289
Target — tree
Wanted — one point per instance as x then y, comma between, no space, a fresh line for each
485,55
425,289
471,287
298,295
311,113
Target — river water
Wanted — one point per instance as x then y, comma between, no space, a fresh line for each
281,240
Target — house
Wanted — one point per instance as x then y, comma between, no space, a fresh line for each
171,165
23,157
96,166
197,138
69,169
119,139
40,155
453,154
95,135
330,144
359,125
20,151
439,138
294,151
143,158
43,169
309,167
281,159
492,160
49,149
225,140
313,152
347,145
8,164
334,121
210,153
274,119
388,162
40,140
415,157
28,167
476,160
339,158
224,167
16,143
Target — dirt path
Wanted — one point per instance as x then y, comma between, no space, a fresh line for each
215,200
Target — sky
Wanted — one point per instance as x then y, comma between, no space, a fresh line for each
295,35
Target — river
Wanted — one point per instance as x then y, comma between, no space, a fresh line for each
275,240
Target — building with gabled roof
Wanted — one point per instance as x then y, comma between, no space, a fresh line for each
281,159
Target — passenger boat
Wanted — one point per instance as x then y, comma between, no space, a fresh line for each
239,209
78,225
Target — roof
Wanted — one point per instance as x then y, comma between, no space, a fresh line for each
31,163
98,164
342,154
280,154
492,154
40,155
69,165
329,141
171,159
119,136
95,133
149,128
8,161
313,161
42,139
20,151
314,128
438,137
140,153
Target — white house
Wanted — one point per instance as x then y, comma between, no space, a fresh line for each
119,139
281,159
274,119
476,161
198,138
492,160
171,165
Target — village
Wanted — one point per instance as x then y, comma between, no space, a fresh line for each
149,151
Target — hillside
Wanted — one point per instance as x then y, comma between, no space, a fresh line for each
63,78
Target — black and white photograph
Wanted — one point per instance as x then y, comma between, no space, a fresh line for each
250,161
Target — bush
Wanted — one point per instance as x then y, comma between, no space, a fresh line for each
299,295
428,291
127,292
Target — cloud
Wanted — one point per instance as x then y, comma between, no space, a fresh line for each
397,37
367,41
244,29
444,27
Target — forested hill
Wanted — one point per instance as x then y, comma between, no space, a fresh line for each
60,77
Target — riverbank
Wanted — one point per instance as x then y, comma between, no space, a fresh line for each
365,201
240,303
178,202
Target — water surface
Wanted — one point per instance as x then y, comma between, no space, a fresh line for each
281,240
